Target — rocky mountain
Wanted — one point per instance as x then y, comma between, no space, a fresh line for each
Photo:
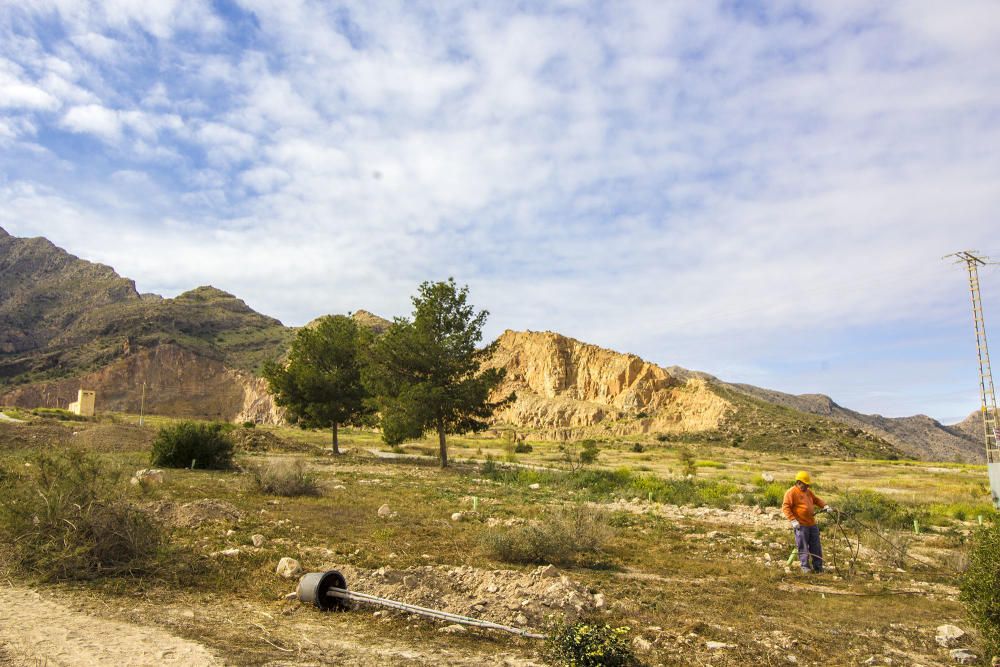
67,323
564,386
917,436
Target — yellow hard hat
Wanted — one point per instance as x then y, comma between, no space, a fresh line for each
803,477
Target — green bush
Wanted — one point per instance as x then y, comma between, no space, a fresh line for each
564,537
249,424
58,413
67,517
638,448
875,507
522,448
591,644
193,445
284,478
980,586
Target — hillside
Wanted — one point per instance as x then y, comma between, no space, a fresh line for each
918,436
67,323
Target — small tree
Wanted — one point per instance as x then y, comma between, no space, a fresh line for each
320,386
580,454
426,374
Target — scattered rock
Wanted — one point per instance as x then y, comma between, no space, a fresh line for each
717,646
385,512
521,619
767,477
288,568
548,571
187,613
457,516
963,656
535,486
453,629
227,552
599,600
949,635
257,540
792,659
152,476
641,645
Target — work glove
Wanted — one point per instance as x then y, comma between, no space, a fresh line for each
795,524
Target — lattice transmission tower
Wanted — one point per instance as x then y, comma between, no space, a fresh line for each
986,391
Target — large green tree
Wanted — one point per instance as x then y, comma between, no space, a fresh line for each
426,374
320,385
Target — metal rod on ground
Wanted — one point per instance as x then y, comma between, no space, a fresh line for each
344,594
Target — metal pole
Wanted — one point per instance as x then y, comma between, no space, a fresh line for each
987,392
431,613
142,403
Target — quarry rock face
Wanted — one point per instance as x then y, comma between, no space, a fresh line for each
179,383
564,387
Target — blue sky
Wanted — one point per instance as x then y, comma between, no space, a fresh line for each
762,194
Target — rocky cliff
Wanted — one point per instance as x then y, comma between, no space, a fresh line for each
565,387
178,382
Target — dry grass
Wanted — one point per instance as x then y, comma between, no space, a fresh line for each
660,573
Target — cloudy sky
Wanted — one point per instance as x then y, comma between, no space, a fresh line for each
763,194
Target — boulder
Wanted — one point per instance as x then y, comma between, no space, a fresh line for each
385,511
949,635
257,540
453,629
288,568
153,477
963,656
457,516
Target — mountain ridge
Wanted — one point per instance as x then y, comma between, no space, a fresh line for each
65,320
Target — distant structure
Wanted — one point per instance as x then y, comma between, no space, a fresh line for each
986,391
84,403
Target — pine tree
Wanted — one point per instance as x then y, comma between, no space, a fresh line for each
320,386
426,374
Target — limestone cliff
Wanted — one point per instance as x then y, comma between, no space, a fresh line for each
179,383
565,387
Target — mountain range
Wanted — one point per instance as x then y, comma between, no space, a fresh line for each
67,323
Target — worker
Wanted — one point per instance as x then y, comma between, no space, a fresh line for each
799,507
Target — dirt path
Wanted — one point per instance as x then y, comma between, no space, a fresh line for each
37,631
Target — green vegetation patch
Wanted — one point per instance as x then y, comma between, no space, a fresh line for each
193,445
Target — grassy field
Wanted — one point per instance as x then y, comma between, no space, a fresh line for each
682,561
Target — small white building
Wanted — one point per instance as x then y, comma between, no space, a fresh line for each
84,403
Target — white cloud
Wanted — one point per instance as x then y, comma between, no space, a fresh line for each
94,119
675,179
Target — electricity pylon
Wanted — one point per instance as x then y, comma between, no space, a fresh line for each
986,391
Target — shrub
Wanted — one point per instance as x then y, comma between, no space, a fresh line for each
284,478
873,506
591,644
522,448
638,448
563,537
580,454
980,586
194,445
249,424
689,465
58,413
67,517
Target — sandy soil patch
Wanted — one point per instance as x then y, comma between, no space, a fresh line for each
36,631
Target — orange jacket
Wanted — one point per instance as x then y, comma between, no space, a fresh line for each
798,505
